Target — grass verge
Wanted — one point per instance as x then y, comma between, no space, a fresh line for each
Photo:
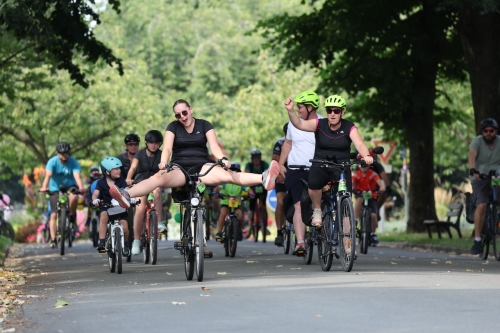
423,238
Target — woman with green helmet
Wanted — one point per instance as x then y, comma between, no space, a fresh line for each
334,136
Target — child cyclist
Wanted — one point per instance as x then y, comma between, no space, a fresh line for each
231,190
111,170
363,180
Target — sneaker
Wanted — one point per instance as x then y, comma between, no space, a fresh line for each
101,247
374,239
162,227
218,237
317,218
240,236
269,176
278,241
476,248
53,244
299,250
136,247
125,251
120,195
268,233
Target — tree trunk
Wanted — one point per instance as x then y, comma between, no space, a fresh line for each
481,44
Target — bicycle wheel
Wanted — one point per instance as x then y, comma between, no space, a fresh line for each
263,222
199,244
71,232
364,232
485,240
153,240
255,225
62,230
325,251
233,236
46,233
347,231
286,239
7,230
309,247
207,224
225,233
496,232
95,231
130,224
111,261
118,250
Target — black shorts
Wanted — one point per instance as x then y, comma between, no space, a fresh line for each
293,183
372,203
280,188
321,176
481,191
54,198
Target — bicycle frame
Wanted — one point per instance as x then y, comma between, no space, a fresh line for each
150,207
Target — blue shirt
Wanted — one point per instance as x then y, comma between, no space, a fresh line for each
62,174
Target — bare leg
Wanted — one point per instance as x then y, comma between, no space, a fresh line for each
140,210
218,176
316,198
279,214
174,178
479,217
103,222
53,227
222,216
298,225
357,208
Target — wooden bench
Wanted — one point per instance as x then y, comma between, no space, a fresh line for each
454,212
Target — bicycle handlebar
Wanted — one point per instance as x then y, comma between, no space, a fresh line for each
300,167
107,205
61,191
170,166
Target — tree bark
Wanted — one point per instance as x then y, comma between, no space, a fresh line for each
479,35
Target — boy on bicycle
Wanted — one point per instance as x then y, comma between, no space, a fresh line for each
111,169
363,180
231,190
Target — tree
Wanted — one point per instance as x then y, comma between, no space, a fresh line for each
389,55
59,31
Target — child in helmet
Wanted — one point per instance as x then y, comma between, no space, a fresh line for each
231,190
111,170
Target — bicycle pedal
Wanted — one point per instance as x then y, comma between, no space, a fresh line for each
102,251
220,240
208,254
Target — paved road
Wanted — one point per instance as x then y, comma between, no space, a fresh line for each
261,290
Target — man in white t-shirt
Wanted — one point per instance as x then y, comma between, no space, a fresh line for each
298,149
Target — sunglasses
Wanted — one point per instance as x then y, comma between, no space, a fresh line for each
486,131
132,144
183,113
334,110
64,153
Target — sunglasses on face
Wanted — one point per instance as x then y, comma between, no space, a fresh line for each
334,110
183,113
132,144
65,153
486,131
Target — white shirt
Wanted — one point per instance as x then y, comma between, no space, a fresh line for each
303,144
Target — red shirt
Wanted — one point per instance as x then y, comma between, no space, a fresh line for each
367,182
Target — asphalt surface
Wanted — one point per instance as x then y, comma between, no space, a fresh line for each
260,290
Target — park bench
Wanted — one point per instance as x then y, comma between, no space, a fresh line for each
452,221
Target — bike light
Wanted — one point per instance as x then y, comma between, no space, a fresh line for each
195,201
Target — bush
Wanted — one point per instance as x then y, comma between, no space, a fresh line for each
27,233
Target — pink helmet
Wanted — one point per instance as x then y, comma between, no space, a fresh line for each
6,200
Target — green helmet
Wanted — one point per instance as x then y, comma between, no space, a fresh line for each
335,101
308,97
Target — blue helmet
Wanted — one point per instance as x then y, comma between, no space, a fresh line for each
110,163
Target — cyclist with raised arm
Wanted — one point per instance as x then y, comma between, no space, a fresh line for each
62,170
366,180
111,169
298,149
132,141
334,136
145,165
279,213
484,156
230,190
185,143
256,165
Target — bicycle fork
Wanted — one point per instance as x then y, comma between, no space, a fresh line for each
112,237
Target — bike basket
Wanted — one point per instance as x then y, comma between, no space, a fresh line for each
233,202
367,195
259,189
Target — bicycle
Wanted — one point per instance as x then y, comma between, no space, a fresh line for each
6,228
259,218
231,225
130,225
491,228
365,222
149,234
193,216
115,237
94,227
65,229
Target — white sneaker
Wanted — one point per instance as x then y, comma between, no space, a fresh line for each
317,218
136,247
162,227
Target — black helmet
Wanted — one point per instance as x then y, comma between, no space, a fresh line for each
285,128
132,137
489,122
154,136
63,147
255,152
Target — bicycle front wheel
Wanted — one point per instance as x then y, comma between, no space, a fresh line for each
255,225
233,236
364,233
496,232
153,233
347,231
286,238
62,230
199,244
118,250
263,222
309,247
94,236
325,252
130,224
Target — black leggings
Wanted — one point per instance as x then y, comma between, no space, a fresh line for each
319,177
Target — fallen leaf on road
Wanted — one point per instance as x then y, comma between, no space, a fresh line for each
394,263
49,288
12,329
482,270
317,316
168,273
204,295
486,262
469,270
179,303
154,284
448,262
279,266
205,288
295,268
438,285
263,272
221,273
251,262
358,273
433,262
60,303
